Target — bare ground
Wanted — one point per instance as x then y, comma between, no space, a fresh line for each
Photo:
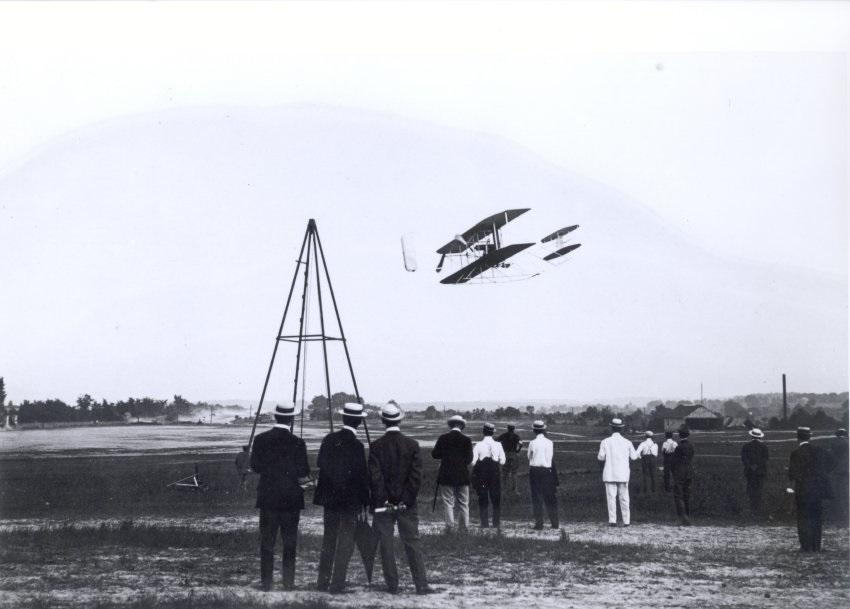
587,565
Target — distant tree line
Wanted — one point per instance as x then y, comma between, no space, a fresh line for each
88,410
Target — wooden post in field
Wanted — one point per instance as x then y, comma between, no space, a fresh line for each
784,400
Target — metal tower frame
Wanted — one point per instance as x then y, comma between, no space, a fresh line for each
309,257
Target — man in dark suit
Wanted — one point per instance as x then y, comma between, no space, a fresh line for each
809,469
754,456
682,469
840,478
395,475
454,450
512,445
281,461
343,490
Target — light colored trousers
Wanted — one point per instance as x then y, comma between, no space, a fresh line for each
459,495
612,489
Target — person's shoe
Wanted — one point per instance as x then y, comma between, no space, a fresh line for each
337,589
612,524
426,589
322,587
626,524
537,527
392,589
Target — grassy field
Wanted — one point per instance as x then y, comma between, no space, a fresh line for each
126,480
93,524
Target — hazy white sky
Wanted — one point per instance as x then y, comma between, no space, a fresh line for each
730,120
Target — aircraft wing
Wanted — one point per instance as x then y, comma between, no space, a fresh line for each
559,233
483,229
562,252
487,261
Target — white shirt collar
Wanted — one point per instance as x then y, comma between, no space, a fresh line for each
282,426
457,429
393,428
804,442
351,429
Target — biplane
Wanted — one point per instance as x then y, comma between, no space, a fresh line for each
485,258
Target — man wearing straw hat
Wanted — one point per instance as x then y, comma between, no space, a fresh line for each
487,457
280,458
542,477
615,452
454,450
343,490
754,456
647,451
395,475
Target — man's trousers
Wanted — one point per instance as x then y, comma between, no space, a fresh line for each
755,484
668,474
613,490
647,468
455,495
509,470
682,499
408,531
810,525
543,492
488,494
337,547
272,521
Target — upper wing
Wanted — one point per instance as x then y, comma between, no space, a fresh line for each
559,233
562,252
487,261
483,229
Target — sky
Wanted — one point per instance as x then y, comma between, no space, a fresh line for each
707,140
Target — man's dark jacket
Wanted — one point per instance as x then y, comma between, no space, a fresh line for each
281,459
454,450
510,442
395,469
343,475
809,469
755,455
681,462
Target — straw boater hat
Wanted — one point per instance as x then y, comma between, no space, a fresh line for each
353,409
391,412
684,432
804,433
539,426
617,423
489,427
286,411
756,432
456,418
649,434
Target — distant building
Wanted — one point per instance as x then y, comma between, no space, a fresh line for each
695,416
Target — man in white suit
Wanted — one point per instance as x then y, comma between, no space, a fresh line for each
616,452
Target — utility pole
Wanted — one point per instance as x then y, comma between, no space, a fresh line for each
784,400
700,393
